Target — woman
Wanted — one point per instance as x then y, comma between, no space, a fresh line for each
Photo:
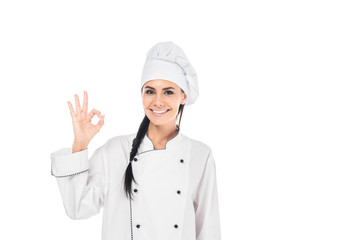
156,184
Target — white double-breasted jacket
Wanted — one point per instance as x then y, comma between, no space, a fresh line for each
175,197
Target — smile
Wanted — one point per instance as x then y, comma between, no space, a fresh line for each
159,113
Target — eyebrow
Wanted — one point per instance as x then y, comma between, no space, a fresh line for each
163,88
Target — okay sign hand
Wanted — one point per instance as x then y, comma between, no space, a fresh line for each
84,130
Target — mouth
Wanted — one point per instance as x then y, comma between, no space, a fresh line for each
159,113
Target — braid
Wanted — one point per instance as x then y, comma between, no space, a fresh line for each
135,146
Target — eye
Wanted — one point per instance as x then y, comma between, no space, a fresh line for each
148,91
170,92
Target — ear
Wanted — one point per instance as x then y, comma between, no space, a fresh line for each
184,98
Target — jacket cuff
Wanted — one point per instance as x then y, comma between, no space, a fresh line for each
64,163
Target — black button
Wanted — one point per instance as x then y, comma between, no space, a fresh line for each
138,226
135,159
135,190
175,225
178,192
181,160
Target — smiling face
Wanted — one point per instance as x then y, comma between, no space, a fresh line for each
161,101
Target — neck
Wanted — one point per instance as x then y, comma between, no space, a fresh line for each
161,134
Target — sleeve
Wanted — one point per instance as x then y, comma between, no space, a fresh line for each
206,204
82,181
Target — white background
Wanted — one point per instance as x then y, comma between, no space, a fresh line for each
279,106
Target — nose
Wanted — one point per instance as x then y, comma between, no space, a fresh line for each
159,100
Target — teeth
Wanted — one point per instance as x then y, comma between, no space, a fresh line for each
159,111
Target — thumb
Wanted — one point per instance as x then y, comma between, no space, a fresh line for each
101,122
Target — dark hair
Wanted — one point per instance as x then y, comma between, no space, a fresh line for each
129,177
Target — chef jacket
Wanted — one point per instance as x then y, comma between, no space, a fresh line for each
175,197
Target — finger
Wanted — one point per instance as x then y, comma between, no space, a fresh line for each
72,113
93,112
85,103
77,104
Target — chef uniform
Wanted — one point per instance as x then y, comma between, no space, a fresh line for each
175,194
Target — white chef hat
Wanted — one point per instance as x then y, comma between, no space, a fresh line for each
167,61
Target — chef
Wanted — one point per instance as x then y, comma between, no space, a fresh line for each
155,184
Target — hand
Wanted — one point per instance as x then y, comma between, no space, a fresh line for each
84,130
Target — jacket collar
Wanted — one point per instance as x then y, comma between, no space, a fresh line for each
148,145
